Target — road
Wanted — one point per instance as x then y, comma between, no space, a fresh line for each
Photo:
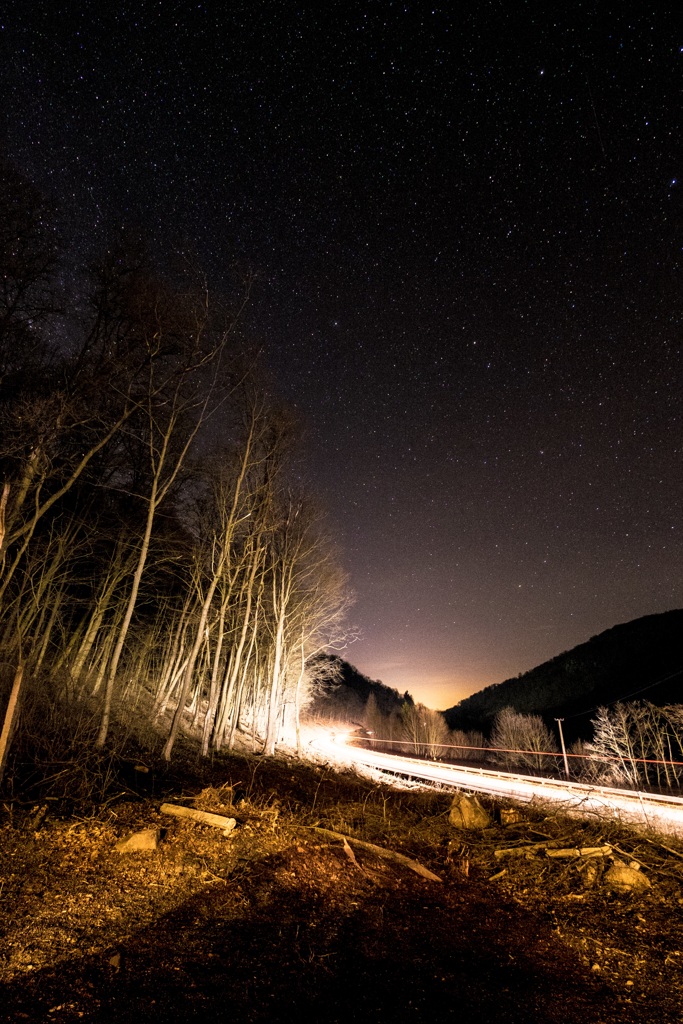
661,813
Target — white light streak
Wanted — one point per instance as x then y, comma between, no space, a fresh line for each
660,813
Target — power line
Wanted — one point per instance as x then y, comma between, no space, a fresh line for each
665,679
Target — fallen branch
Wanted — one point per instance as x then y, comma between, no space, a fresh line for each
517,851
381,851
205,817
628,857
352,857
668,849
528,850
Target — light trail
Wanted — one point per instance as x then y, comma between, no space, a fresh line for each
660,813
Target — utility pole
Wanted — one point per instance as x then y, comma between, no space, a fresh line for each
564,750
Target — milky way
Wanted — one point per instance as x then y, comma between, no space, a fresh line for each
466,225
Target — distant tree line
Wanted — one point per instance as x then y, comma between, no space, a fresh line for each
636,744
413,729
633,743
157,564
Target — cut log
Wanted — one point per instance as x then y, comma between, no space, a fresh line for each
380,851
584,851
543,848
204,817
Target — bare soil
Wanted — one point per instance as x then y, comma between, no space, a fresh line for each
277,921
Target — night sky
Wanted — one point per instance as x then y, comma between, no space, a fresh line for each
466,223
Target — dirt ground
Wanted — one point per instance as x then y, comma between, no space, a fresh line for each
279,921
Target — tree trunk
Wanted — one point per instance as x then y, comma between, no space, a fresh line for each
213,685
187,677
11,718
56,602
123,632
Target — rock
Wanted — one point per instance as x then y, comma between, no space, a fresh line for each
622,878
467,812
148,839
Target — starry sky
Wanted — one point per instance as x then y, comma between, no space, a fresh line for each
467,228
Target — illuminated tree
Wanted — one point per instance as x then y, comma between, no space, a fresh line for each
151,560
635,743
183,370
424,729
467,745
522,740
235,505
306,599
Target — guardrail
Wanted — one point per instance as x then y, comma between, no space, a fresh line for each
662,813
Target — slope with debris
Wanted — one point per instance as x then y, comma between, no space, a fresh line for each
334,897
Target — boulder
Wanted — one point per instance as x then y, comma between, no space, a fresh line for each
622,878
147,839
467,812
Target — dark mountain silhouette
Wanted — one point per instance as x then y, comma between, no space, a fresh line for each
637,660
343,693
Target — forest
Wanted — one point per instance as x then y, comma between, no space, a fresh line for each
161,568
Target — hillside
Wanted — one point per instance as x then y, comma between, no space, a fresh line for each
622,663
343,693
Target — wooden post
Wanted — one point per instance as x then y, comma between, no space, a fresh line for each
564,751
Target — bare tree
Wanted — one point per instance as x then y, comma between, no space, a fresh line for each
522,740
183,366
638,744
235,507
468,746
104,451
11,717
306,603
615,743
424,729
